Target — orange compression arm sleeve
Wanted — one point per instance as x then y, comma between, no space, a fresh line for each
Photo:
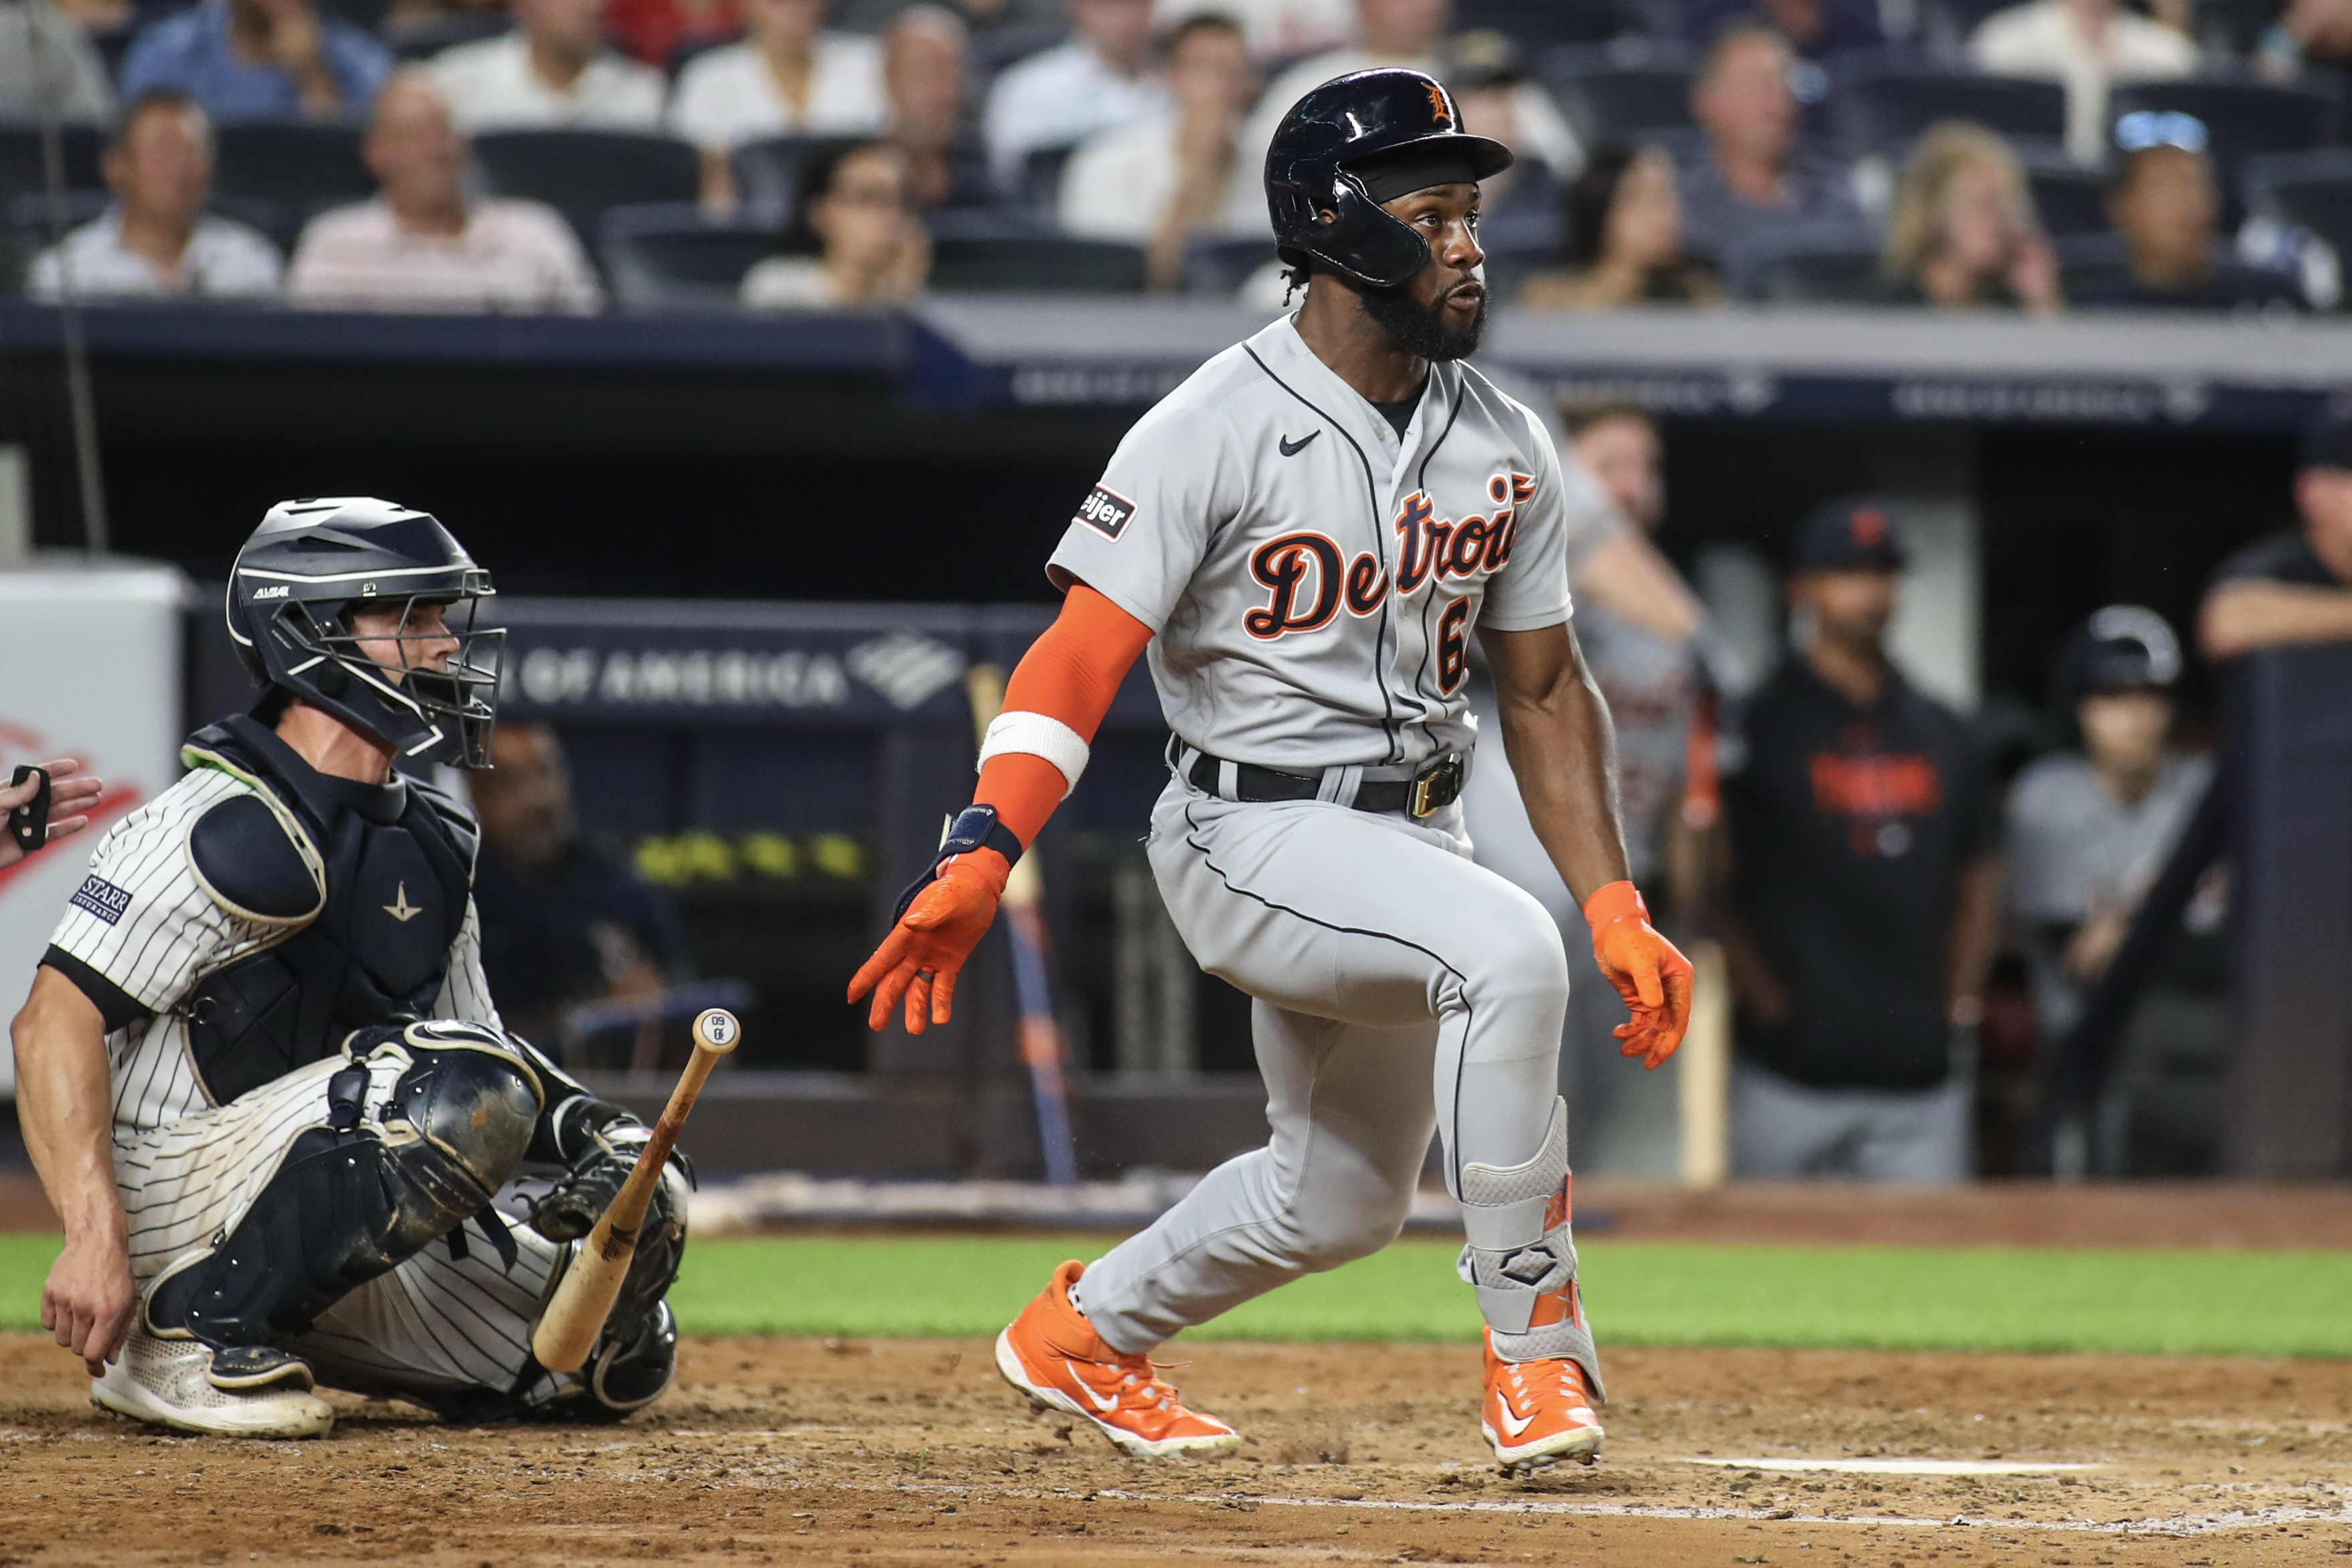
1070,673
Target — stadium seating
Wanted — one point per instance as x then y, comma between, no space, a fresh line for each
670,256
768,172
2245,119
581,173
299,166
1606,99
982,262
21,169
1945,25
1885,108
1826,274
423,40
1536,25
2092,260
1041,177
1222,265
2069,199
2311,191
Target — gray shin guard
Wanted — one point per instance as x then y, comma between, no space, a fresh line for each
1519,1253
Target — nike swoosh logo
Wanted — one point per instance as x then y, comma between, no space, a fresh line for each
1514,1424
1293,448
1096,1400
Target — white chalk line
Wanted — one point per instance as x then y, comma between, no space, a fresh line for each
1892,1467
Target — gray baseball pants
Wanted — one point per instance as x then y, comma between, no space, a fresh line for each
1398,986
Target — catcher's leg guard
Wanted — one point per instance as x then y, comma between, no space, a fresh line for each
352,1199
1520,1257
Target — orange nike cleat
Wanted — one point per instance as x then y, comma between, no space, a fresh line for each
1053,1354
1538,1413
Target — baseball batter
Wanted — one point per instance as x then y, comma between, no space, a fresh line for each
260,1072
1305,536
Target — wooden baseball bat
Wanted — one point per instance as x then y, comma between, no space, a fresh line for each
567,1329
1025,923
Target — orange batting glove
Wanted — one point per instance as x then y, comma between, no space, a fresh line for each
1648,971
925,951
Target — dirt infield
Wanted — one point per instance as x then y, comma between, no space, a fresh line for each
796,1451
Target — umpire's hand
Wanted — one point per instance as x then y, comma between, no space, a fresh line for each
71,794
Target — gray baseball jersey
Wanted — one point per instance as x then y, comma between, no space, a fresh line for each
1313,578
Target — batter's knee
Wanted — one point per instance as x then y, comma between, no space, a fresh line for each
1521,962
1330,1234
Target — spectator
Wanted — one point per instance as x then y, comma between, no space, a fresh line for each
1814,28
1755,187
47,67
924,73
2089,46
1964,235
422,244
155,241
2089,829
1864,889
2165,205
2293,587
658,33
1276,29
790,76
563,923
553,70
1624,240
72,794
2307,33
856,214
1408,33
1161,183
261,60
1097,81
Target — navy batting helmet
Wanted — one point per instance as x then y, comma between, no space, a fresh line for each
1354,142
311,567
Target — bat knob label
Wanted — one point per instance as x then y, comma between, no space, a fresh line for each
717,1029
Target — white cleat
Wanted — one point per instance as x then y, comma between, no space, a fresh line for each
190,1387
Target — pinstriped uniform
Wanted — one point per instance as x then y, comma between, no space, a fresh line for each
187,1168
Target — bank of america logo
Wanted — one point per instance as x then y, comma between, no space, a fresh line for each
907,668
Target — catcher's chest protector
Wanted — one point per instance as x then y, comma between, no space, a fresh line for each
372,884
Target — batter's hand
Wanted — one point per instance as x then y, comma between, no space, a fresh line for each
921,957
1648,971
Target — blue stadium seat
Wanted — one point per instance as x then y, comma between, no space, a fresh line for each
2069,199
768,172
1885,108
2309,191
21,170
2245,119
1829,273
670,256
581,173
1222,266
976,263
300,166
1618,95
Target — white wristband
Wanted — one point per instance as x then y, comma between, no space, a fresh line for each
1037,735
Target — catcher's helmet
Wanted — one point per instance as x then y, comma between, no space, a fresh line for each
1350,145
312,566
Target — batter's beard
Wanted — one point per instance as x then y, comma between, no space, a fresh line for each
1423,330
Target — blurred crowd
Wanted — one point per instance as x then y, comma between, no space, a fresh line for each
562,155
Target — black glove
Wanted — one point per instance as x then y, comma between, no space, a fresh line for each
571,1209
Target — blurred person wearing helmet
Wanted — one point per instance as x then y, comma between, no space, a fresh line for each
2294,587
2089,829
260,1072
1864,885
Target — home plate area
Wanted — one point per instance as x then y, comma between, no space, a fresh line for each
887,1452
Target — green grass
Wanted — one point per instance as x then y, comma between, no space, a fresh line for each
1894,1297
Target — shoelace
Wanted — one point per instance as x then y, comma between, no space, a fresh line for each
1571,1383
1141,1388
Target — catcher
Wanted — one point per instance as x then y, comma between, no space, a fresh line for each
260,1074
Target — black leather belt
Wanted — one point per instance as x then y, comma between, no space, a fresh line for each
1438,785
